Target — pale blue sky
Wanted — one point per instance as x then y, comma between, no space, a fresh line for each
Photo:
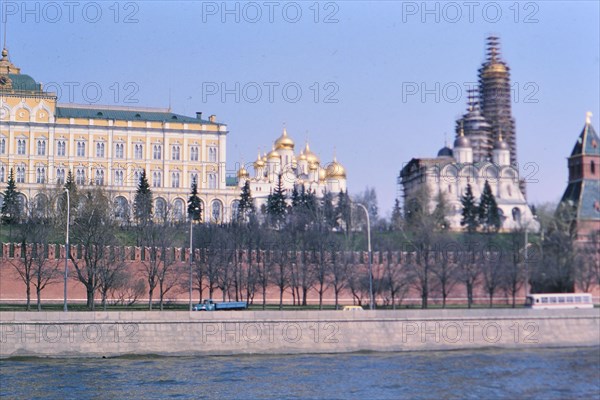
364,60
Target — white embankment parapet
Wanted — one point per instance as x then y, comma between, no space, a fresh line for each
97,334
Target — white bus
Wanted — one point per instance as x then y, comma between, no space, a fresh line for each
559,300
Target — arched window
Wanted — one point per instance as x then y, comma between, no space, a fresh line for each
61,148
516,214
80,149
41,148
118,177
138,151
40,175
160,208
121,208
212,154
21,147
212,180
60,176
157,153
175,179
175,153
194,153
216,208
2,146
592,167
99,177
178,209
99,149
80,176
156,179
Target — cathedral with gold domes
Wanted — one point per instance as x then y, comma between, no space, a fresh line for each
296,169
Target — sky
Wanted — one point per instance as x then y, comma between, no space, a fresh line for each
375,83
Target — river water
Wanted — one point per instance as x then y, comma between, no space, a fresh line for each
483,374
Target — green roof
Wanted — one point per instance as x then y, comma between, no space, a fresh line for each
24,82
125,115
231,181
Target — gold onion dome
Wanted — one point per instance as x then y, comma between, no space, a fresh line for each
336,170
302,156
243,173
284,142
259,162
273,154
310,156
313,166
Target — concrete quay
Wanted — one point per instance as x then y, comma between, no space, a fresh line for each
173,333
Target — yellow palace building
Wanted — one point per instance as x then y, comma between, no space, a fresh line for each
110,146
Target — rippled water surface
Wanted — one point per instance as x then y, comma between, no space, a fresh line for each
483,374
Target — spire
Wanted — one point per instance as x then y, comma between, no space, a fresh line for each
462,128
588,117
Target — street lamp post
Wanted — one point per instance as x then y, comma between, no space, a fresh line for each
67,248
371,306
191,253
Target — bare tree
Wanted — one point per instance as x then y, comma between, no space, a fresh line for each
469,269
444,270
395,280
338,273
491,268
93,231
111,273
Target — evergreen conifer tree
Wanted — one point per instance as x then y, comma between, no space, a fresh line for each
11,208
488,214
194,204
276,207
142,204
246,205
469,211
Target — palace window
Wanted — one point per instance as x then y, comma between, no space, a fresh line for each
2,173
99,149
2,146
119,177
138,151
592,167
194,178
175,179
61,148
21,174
80,176
156,179
80,149
175,153
99,177
194,153
119,150
212,180
216,211
60,176
157,153
212,154
41,148
21,144
40,175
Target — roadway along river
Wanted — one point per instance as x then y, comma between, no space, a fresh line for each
572,373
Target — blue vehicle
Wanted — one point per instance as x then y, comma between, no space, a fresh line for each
210,305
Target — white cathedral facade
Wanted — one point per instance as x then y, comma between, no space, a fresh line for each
302,169
453,169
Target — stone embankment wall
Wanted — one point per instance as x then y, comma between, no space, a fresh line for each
109,334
